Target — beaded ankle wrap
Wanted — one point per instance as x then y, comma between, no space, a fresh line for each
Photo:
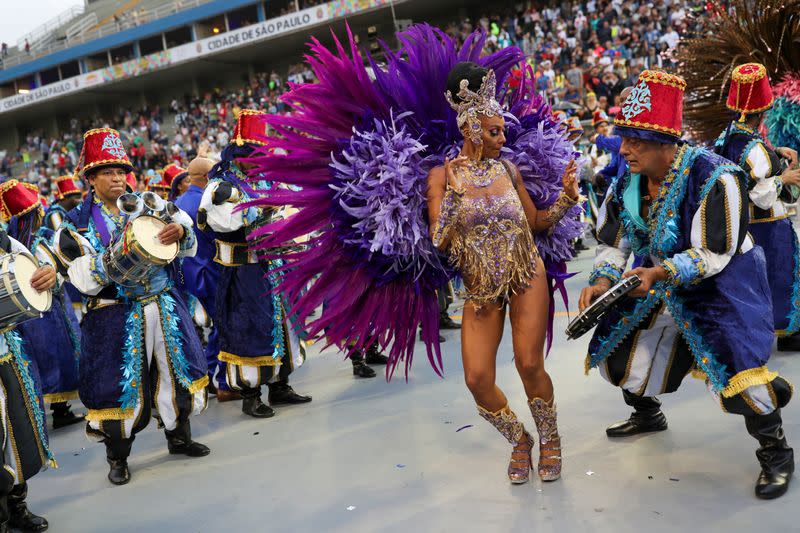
544,415
506,422
512,429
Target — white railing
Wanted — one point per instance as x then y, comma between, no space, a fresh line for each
47,28
89,21
109,28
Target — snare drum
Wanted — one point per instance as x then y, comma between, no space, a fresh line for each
138,252
19,301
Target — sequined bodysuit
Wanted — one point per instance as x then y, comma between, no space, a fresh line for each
491,242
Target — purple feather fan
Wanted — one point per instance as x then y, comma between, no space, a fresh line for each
359,151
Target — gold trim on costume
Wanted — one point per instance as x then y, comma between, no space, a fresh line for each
61,396
238,360
114,413
198,385
748,378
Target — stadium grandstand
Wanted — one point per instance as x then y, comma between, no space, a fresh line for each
105,54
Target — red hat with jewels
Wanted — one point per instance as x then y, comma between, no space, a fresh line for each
251,127
17,199
599,117
750,91
574,126
102,147
65,186
654,108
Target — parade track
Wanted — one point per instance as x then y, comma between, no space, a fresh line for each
368,455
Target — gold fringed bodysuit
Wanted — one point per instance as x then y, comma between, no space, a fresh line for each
490,238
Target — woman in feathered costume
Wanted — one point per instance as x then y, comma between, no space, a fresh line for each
361,149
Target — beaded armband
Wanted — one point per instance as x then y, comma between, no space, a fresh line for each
606,270
563,204
447,216
686,268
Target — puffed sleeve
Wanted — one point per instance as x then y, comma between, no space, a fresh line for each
188,245
767,187
718,228
613,249
84,266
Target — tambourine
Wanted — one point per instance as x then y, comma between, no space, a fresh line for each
592,314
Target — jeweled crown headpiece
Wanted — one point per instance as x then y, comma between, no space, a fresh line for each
473,104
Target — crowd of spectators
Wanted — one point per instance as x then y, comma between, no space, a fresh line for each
583,55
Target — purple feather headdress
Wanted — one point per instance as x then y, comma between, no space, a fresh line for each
355,154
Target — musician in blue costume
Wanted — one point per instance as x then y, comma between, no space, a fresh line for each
139,350
23,431
704,303
201,273
52,341
67,197
769,186
258,343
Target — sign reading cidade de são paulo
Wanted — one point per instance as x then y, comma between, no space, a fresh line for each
179,54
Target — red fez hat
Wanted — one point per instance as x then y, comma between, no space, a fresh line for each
574,125
102,147
65,186
251,127
599,117
750,90
170,172
654,108
17,199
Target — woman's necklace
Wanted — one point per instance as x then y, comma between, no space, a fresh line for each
480,173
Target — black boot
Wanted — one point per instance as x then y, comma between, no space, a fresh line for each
281,393
360,368
253,406
375,357
117,452
789,344
179,442
774,454
63,415
20,517
647,417
445,322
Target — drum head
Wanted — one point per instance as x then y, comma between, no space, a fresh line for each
23,267
145,229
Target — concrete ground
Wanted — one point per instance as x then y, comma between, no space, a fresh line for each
368,455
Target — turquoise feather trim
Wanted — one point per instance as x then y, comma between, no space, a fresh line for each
23,364
173,339
132,352
627,325
794,315
277,310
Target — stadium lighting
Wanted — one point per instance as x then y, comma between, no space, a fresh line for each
215,30
23,91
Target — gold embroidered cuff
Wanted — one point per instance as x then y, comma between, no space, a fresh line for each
563,204
447,216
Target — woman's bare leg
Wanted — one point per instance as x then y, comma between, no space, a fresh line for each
480,338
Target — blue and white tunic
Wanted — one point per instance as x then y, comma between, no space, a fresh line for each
139,348
713,316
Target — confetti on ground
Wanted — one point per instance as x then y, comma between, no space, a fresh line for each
351,508
589,473
464,427
674,479
649,477
401,466
256,432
